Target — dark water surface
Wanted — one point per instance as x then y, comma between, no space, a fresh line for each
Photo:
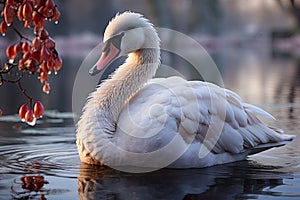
42,162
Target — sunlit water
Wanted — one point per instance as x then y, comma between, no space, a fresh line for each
42,162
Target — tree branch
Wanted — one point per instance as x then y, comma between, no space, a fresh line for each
19,34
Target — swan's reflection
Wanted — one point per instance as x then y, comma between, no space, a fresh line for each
219,182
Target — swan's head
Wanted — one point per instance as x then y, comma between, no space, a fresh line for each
125,33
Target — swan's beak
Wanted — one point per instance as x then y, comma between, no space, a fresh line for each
107,57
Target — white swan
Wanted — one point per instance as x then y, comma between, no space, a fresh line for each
134,120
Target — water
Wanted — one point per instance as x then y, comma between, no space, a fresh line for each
48,150
42,162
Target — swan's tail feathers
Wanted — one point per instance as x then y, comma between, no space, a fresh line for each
284,139
266,146
277,130
258,133
257,111
283,136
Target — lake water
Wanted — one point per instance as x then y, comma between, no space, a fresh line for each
42,162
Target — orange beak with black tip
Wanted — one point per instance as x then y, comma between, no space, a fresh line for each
110,51
107,57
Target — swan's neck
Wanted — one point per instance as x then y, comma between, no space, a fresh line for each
110,96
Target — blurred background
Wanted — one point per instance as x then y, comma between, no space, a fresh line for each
255,45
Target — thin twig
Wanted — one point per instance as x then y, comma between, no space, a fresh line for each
24,91
20,34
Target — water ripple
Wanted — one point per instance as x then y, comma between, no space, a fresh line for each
50,150
43,161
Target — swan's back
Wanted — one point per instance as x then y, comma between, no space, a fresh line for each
165,108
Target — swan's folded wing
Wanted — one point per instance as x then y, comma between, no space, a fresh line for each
233,126
159,103
199,112
146,123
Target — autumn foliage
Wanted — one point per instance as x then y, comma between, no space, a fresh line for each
36,55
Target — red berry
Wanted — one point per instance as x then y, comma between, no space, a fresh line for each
27,23
45,54
28,179
56,15
9,14
25,47
3,27
1,112
43,35
20,13
57,64
49,65
27,11
36,17
36,44
38,186
26,55
47,11
11,2
36,3
49,43
36,56
44,76
10,52
38,20
22,111
50,4
29,116
43,67
38,109
18,47
46,88
21,64
30,65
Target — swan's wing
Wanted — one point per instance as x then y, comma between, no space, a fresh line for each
242,128
147,122
154,116
200,112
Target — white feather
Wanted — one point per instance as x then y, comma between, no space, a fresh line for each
258,111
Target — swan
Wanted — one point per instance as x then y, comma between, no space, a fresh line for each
135,120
